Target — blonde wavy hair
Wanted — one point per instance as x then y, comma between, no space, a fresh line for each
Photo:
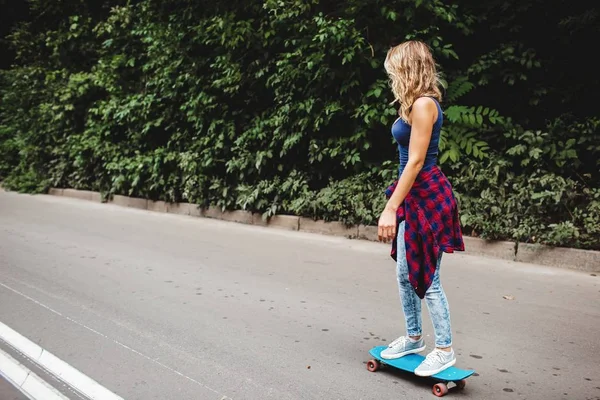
413,74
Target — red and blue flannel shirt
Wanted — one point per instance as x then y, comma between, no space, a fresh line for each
432,226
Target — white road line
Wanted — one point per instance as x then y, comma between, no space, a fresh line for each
56,366
36,353
26,380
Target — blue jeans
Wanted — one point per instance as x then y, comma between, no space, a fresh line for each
434,297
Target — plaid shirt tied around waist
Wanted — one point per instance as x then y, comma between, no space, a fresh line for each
432,226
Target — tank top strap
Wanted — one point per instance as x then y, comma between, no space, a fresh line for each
439,107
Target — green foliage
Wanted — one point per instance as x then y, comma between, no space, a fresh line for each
538,190
283,107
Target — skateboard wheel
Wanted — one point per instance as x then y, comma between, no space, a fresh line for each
373,365
461,384
440,389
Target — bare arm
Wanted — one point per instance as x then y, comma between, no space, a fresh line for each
423,115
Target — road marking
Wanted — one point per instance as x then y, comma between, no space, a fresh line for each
35,352
26,380
56,366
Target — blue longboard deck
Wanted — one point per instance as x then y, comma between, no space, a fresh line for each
410,362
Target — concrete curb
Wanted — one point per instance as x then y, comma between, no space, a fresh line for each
81,195
561,257
132,202
239,216
368,232
490,248
157,206
56,366
55,192
289,222
184,209
567,258
328,228
26,381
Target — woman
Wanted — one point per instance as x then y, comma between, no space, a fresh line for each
421,215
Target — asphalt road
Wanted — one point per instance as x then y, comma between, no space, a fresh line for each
9,392
158,306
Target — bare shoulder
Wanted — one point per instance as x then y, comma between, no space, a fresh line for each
424,108
424,104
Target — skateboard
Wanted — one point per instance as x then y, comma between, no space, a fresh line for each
410,362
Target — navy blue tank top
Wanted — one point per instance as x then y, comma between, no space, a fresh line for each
401,132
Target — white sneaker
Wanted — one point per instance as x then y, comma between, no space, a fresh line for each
401,347
435,362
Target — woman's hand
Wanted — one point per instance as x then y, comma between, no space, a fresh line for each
386,228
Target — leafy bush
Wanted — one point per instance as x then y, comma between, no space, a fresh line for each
283,107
